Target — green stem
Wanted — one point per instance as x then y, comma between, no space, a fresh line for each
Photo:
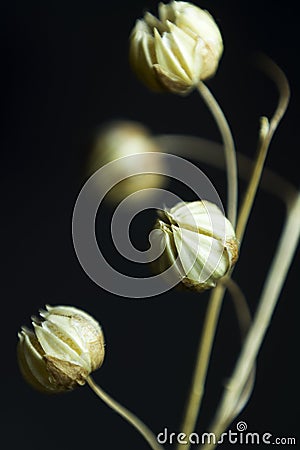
126,414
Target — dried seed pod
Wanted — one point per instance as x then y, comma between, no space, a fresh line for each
198,243
64,347
177,50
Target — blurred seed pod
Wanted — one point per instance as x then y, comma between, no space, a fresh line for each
118,140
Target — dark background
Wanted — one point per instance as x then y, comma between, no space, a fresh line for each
64,72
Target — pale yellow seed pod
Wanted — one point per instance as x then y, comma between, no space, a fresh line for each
177,50
119,139
64,347
199,244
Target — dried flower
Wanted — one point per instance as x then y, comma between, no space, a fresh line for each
199,244
67,344
176,51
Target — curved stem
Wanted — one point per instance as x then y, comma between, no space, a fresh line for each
240,304
266,133
230,154
244,320
126,414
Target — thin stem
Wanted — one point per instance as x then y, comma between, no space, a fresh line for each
271,291
271,182
206,342
204,351
210,152
254,180
240,305
244,320
230,404
229,148
266,133
215,302
127,415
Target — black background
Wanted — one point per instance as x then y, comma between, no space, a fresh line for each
64,72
